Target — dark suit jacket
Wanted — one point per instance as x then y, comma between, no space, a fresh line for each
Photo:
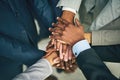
18,36
92,66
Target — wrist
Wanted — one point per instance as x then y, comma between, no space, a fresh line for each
88,37
75,41
68,15
50,57
49,60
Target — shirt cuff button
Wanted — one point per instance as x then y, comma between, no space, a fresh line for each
75,53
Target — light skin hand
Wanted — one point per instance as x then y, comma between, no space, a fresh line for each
59,45
52,56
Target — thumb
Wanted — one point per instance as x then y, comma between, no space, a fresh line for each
77,22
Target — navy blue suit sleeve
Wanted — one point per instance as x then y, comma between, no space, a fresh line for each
92,66
19,51
42,11
109,53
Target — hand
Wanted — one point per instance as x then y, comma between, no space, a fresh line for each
71,34
64,61
68,16
60,49
52,55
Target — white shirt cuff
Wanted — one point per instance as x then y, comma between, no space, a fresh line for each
80,46
69,9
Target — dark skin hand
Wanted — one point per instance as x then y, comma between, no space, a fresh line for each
69,34
68,16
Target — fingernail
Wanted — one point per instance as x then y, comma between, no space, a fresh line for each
69,58
63,67
49,36
70,65
49,28
66,60
61,57
57,49
67,68
57,18
55,61
52,32
63,53
53,24
58,65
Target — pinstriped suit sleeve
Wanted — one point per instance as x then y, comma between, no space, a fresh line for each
39,71
106,37
74,4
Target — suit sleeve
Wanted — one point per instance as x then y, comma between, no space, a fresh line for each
19,51
43,13
74,4
39,71
92,66
106,37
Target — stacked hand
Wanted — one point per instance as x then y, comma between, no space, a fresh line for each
62,39
62,61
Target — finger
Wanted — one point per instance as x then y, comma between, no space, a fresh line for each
55,44
56,60
63,42
60,54
50,50
73,59
51,29
54,24
67,65
62,64
70,57
70,54
56,34
52,41
70,62
64,49
59,25
62,20
50,44
58,45
77,22
59,19
55,29
48,53
55,37
66,56
66,60
57,65
58,31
